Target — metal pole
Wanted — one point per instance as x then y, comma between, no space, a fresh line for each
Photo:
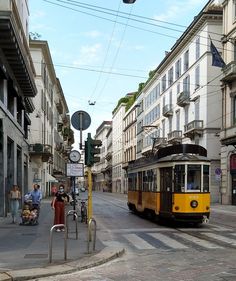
90,202
80,128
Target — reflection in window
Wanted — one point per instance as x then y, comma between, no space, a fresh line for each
179,177
194,177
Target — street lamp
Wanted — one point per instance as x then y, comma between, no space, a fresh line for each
129,1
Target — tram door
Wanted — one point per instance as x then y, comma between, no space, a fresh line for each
166,189
233,189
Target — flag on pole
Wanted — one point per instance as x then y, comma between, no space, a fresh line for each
216,57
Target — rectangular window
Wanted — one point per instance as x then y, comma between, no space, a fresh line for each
197,48
178,69
197,77
186,115
163,84
186,60
194,178
179,178
197,108
178,120
170,76
186,85
163,128
205,178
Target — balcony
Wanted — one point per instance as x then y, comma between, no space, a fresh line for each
174,137
194,128
159,142
44,150
167,110
229,72
183,99
14,47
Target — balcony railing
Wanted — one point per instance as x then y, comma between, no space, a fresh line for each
183,99
174,137
229,72
44,150
159,142
167,110
193,128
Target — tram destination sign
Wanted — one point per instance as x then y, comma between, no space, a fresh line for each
75,169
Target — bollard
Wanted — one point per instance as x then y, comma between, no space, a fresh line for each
50,241
92,221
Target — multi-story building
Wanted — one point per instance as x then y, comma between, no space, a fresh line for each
99,169
227,173
108,169
17,87
50,123
130,140
118,174
182,102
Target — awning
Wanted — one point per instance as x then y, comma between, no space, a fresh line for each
50,178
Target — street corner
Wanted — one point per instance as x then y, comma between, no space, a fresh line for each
4,276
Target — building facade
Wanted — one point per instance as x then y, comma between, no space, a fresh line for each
227,134
99,168
50,136
182,102
17,88
118,174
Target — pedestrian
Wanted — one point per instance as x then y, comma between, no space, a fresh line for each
58,205
14,197
54,190
36,196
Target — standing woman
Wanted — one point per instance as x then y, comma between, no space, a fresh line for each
15,197
58,204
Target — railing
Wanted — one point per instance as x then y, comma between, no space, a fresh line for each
183,98
167,110
194,125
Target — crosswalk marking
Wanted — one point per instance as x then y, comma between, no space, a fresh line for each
168,241
221,238
198,241
138,242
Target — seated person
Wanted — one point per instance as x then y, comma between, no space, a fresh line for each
26,212
33,214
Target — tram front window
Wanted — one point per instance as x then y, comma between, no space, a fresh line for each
194,177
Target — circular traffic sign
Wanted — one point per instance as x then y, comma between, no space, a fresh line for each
80,120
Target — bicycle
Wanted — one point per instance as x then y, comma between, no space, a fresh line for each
83,210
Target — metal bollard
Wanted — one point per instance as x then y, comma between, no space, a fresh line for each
50,241
92,221
73,213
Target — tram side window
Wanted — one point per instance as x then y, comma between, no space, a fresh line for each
145,181
194,177
205,178
132,179
179,178
150,180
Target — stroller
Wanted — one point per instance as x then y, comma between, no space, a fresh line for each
29,214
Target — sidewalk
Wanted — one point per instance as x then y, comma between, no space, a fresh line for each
24,250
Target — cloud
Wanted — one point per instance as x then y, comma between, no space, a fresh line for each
89,55
92,34
177,8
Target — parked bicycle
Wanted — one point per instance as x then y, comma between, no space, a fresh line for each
83,210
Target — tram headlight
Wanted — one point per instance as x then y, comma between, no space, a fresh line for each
194,204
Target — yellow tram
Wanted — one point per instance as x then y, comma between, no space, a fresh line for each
174,183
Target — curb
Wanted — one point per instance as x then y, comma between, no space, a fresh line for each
105,255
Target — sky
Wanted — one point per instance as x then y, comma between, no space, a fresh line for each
103,49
